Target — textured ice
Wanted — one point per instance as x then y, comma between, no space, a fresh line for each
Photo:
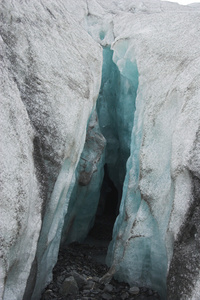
21,202
49,89
115,107
86,192
157,228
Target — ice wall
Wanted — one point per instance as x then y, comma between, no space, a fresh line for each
21,194
157,228
137,252
86,192
116,107
49,89
160,190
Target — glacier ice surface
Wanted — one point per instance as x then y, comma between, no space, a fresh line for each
148,110
53,89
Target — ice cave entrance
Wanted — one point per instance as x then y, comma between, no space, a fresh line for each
94,206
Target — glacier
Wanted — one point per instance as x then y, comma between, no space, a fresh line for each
86,84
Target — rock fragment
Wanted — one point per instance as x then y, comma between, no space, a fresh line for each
69,286
134,290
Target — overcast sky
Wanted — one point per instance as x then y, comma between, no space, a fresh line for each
185,1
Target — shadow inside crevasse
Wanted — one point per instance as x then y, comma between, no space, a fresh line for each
107,211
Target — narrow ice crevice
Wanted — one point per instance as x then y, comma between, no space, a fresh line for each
115,108
137,253
115,114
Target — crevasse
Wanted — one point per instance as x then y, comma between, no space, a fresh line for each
115,111
137,253
115,107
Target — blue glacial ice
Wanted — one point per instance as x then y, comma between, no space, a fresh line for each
115,107
115,110
137,253
86,192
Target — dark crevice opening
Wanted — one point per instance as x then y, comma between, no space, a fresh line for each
107,211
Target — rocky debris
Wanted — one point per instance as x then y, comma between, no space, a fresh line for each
69,286
106,296
77,274
134,290
80,279
124,296
108,288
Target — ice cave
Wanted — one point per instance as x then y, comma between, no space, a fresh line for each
100,123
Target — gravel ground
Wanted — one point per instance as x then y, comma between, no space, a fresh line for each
80,267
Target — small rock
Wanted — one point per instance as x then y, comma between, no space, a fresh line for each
106,296
108,288
134,290
96,279
69,286
89,285
60,279
81,280
95,292
150,293
86,291
47,295
124,296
